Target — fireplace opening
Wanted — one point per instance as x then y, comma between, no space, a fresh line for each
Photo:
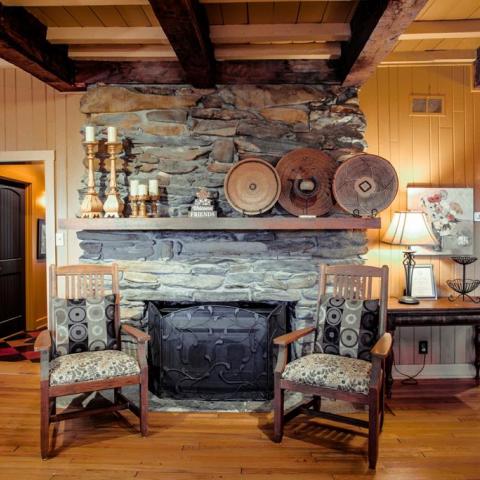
215,351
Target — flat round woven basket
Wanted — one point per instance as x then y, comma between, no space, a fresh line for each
306,175
365,184
252,186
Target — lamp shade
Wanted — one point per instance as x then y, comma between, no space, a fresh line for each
409,228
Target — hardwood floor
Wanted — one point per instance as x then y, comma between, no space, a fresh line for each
432,432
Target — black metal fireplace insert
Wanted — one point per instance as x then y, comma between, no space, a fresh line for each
215,351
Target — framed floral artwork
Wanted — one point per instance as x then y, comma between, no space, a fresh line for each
450,213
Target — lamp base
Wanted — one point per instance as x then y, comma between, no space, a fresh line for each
409,300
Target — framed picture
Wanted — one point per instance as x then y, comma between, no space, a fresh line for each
423,282
450,213
41,239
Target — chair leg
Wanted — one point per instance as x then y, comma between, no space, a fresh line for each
144,405
44,419
317,403
278,411
382,405
116,391
373,429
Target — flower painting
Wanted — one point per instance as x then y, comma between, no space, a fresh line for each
450,212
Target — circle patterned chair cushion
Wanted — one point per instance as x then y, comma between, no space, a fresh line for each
83,325
349,328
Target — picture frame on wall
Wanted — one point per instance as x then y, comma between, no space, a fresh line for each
423,282
41,239
450,215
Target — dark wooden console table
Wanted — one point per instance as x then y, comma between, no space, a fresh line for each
432,313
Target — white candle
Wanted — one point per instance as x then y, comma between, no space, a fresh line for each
142,189
134,187
112,134
153,186
89,133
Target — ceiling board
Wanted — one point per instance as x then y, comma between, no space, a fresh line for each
450,10
235,13
134,15
84,16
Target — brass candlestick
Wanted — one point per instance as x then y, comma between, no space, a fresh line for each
113,206
91,206
155,199
134,205
142,209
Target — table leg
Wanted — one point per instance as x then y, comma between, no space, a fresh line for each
476,341
389,367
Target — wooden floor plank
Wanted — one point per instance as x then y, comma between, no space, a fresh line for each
432,432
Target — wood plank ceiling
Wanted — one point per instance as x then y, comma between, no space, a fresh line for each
236,41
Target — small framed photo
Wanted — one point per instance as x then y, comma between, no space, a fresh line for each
423,282
41,240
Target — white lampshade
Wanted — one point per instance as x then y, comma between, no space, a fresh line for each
409,228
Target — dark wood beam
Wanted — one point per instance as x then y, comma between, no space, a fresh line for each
476,71
376,26
186,26
228,72
23,43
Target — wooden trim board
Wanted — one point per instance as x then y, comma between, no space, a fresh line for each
186,223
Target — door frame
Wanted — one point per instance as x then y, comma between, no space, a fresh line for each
47,157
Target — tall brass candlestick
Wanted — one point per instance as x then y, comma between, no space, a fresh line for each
91,206
113,206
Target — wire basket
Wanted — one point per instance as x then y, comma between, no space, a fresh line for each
463,286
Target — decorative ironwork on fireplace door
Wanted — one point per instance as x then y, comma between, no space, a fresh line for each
220,351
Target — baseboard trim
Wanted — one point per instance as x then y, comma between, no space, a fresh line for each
457,370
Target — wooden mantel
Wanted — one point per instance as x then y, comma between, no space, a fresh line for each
248,223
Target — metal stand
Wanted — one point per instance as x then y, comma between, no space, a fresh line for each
463,286
408,264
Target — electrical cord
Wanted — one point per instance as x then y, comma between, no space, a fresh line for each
410,379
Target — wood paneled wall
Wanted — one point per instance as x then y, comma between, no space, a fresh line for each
436,151
33,116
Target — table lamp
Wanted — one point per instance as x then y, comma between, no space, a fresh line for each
409,228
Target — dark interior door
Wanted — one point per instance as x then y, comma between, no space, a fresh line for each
12,258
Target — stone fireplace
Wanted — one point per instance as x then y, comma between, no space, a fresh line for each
190,138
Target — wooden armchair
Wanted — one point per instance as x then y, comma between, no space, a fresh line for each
80,322
360,381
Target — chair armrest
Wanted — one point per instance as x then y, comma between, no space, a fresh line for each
138,335
383,346
43,342
291,337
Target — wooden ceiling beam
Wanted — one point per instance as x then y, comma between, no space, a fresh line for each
291,51
443,29
23,43
122,52
263,1
107,35
376,26
299,32
186,26
228,72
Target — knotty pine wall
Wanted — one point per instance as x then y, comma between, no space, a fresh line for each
425,150
435,151
34,116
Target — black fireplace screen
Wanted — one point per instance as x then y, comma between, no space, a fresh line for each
214,351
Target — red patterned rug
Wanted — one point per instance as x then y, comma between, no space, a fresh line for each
19,347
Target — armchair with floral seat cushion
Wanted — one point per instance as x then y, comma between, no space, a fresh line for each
349,351
81,350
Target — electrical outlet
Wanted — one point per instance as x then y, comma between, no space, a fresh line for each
59,239
422,347
476,217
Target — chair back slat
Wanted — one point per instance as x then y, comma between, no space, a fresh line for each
82,281
357,282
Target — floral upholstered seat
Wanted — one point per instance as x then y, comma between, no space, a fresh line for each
88,366
330,371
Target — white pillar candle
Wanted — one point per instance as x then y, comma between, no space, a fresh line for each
112,134
153,186
134,187
89,133
142,189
